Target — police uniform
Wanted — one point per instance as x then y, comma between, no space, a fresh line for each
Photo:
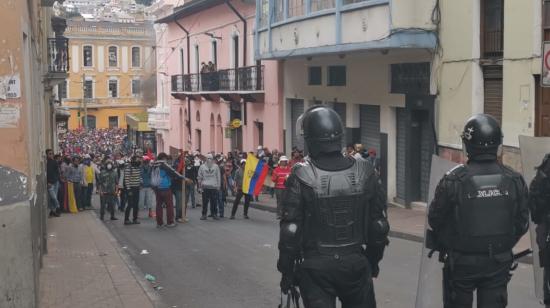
333,227
478,214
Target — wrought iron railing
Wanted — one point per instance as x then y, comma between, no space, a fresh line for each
493,44
250,78
58,55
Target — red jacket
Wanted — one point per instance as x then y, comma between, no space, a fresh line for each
279,176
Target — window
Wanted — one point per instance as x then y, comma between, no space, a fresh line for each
264,12
279,12
113,88
62,90
492,25
136,87
546,15
182,61
337,75
136,57
318,5
315,75
88,56
296,8
113,122
113,56
88,88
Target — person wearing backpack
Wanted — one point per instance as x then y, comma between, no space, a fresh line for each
161,180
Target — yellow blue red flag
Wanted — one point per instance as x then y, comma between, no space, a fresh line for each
255,172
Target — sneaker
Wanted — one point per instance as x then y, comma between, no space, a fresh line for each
127,222
136,222
179,220
172,225
203,217
114,218
210,215
246,217
232,217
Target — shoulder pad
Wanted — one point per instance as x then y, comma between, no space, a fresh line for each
510,172
304,172
457,172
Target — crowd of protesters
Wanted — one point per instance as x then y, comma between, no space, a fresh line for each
130,180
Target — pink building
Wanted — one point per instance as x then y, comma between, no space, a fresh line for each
237,104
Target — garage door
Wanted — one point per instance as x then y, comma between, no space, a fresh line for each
370,126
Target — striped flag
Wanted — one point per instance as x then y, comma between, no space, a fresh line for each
255,172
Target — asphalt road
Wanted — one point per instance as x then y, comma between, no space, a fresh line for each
232,264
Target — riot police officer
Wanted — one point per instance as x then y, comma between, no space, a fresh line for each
479,212
539,204
334,226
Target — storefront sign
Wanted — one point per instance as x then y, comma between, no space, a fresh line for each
236,123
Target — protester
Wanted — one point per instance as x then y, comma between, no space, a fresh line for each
163,189
146,193
239,174
88,177
209,182
75,178
64,168
280,174
177,186
108,186
132,183
222,192
121,165
191,173
52,176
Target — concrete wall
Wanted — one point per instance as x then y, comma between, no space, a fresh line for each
457,74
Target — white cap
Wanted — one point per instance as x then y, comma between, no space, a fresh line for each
283,158
87,156
243,160
260,147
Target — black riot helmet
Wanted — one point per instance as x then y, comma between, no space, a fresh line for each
322,130
482,136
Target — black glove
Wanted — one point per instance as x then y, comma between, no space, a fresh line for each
374,254
287,282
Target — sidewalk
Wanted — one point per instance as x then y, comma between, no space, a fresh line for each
84,267
405,223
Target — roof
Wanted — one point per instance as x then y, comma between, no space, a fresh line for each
189,8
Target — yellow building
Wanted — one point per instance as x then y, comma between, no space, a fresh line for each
111,66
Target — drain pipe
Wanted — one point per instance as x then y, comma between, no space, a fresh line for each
245,30
188,72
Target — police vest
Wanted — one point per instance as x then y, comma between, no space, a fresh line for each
335,220
484,216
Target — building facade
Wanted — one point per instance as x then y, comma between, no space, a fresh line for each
490,62
32,62
369,60
112,73
222,108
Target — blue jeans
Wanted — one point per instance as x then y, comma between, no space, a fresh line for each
179,210
53,203
190,193
221,204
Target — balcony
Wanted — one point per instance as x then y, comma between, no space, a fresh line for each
245,83
493,44
58,58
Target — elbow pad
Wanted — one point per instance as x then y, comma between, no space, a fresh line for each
378,232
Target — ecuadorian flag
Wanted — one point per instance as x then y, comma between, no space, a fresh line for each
255,172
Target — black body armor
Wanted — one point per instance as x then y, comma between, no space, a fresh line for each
484,217
335,218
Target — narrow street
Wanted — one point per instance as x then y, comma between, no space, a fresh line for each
232,264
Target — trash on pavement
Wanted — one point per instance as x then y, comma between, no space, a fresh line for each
150,277
144,252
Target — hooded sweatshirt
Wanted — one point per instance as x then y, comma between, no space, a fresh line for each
209,176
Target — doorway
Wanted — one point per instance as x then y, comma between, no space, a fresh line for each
542,109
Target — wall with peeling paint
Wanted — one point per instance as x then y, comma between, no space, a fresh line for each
25,133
